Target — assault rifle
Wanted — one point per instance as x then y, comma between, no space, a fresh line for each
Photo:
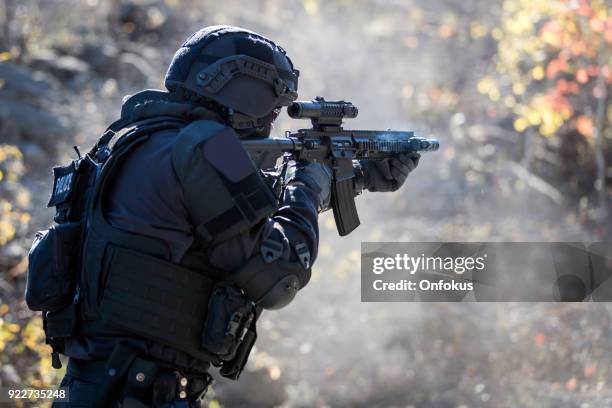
327,142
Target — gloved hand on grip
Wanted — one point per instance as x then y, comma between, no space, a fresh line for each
316,176
389,174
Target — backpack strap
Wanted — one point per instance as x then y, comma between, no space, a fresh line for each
124,127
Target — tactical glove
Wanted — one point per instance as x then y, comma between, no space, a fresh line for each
389,174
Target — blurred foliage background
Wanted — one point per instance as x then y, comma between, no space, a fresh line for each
518,93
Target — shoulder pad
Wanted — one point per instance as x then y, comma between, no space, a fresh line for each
216,143
223,191
225,152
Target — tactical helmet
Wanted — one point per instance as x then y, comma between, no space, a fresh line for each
240,70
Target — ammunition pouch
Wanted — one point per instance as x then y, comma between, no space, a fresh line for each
229,316
52,267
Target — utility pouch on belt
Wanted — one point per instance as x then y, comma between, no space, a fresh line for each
233,368
229,315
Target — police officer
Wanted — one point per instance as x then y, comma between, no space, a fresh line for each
183,229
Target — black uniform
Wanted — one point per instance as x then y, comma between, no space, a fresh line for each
147,197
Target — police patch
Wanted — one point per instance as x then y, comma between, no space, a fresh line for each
63,183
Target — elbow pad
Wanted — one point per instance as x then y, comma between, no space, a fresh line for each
270,282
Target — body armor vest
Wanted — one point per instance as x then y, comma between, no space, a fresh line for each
127,285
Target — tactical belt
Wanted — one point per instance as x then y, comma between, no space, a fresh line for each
128,377
88,371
